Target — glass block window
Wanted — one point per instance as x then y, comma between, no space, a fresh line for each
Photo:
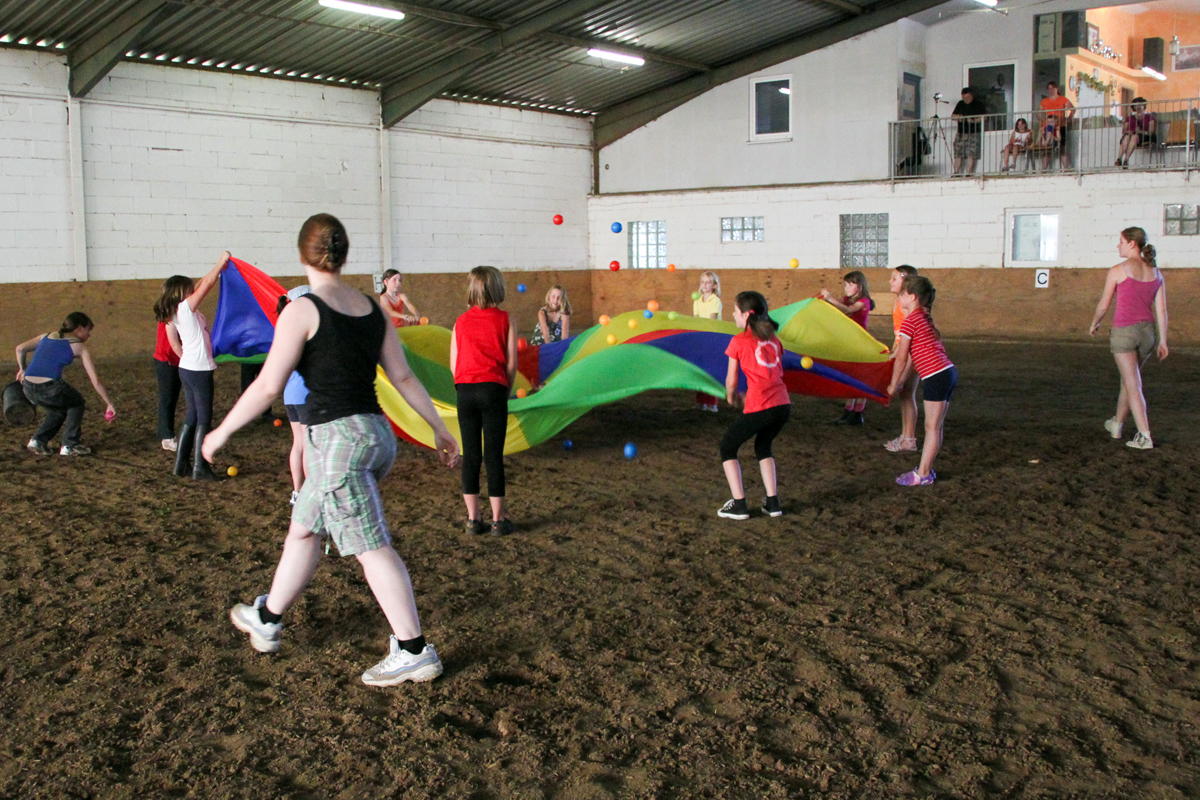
864,240
1180,219
647,244
741,229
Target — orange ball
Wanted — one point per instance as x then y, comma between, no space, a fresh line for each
604,319
652,305
521,393
670,267
278,423
424,320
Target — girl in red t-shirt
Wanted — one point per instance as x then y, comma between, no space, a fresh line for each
919,346
765,407
856,304
483,358
166,373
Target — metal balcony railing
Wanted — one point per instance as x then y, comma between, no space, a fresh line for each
1157,135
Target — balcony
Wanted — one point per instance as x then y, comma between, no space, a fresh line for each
1090,140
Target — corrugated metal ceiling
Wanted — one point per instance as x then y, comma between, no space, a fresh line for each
303,40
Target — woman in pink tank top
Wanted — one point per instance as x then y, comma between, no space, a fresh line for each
1139,328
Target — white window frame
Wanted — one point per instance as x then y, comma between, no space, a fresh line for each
1010,215
762,138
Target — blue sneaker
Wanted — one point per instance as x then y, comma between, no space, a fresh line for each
913,479
401,666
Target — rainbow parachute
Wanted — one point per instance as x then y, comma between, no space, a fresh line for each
656,353
244,325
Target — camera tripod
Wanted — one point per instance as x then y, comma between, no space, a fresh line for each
939,135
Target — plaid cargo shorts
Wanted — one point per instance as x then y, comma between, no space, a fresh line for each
344,461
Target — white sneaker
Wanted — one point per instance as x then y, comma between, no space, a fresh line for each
264,636
401,666
74,450
169,444
1113,427
1141,442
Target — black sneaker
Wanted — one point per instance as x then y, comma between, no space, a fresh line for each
770,506
734,509
503,527
474,526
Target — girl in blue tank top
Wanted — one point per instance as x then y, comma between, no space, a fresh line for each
41,381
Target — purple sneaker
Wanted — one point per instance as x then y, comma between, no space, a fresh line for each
913,479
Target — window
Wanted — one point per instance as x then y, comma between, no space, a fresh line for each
1031,237
1181,220
647,244
864,240
771,109
741,229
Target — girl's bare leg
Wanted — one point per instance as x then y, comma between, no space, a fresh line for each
498,511
388,578
733,474
296,457
1131,397
472,503
908,408
301,553
767,468
935,416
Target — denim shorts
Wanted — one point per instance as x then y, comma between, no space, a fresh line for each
1140,338
939,387
344,460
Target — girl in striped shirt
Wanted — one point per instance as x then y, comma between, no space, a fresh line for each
919,346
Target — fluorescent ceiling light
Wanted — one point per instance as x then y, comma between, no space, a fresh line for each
1153,73
624,59
784,90
988,3
363,8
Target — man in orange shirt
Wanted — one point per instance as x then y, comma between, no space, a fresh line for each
1056,111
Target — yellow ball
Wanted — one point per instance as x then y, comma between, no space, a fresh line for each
794,263
633,323
612,338
806,362
231,472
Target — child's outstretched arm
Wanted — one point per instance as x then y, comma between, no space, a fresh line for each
408,304
731,383
901,364
90,368
413,391
207,282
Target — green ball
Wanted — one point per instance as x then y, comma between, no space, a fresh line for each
671,315
695,295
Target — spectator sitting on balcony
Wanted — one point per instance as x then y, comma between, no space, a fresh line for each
1017,143
1141,127
969,114
1056,111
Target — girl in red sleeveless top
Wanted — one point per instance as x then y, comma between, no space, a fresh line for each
483,358
856,304
166,373
393,301
920,348
1139,327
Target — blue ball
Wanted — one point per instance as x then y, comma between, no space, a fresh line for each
630,450
567,444
520,287
616,227
647,313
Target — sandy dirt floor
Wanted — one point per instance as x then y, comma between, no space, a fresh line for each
1025,628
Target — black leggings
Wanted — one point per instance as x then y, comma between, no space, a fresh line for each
168,397
764,425
483,423
198,391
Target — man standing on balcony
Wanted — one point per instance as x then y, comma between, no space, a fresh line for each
1056,111
969,114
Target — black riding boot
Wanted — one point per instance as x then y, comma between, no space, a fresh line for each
201,470
183,451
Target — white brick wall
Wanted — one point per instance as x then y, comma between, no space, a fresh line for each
475,184
930,224
179,164
35,208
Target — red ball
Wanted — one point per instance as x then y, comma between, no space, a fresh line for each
558,219
614,265
278,423
522,343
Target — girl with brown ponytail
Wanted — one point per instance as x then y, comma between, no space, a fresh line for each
766,405
1139,328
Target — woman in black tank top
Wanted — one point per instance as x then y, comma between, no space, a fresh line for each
335,337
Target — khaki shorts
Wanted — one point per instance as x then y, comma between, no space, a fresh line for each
1140,338
344,461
